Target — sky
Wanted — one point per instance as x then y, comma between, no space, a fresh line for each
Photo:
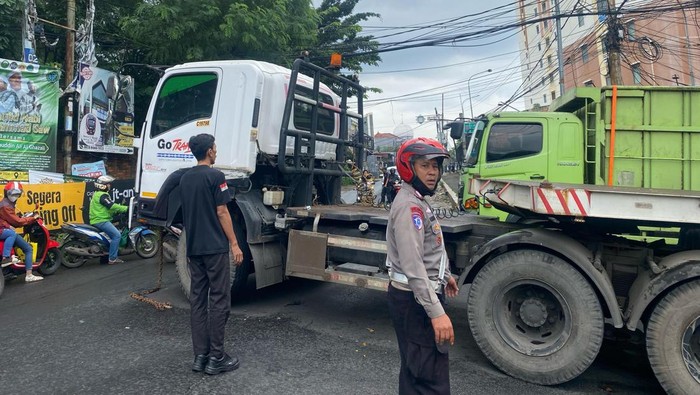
444,69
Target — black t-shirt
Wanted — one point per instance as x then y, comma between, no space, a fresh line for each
202,189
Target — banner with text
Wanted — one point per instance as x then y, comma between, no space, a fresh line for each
56,203
28,116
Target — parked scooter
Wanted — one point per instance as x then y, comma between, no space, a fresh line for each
48,255
86,241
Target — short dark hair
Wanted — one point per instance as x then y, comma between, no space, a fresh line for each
200,144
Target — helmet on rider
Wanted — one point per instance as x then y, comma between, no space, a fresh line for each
413,149
103,182
13,190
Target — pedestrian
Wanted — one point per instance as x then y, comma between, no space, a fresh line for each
209,232
385,181
420,273
393,178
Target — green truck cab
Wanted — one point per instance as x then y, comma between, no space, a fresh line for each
652,132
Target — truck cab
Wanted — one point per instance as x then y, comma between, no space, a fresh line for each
524,146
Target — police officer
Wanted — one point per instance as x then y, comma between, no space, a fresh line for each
420,273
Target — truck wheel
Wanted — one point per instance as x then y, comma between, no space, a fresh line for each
239,274
673,340
535,317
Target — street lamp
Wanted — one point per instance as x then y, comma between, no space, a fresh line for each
469,90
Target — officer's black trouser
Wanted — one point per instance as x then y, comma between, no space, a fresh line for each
210,302
424,370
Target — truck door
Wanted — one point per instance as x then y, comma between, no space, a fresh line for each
515,151
184,105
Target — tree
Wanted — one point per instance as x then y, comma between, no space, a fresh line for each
339,31
11,35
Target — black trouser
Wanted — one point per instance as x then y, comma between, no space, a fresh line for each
424,370
210,302
385,193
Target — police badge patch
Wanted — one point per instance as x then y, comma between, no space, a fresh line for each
417,217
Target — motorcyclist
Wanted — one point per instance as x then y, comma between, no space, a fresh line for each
390,180
102,208
8,221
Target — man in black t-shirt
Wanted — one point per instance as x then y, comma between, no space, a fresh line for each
209,231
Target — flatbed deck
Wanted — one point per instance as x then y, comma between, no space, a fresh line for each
642,205
380,216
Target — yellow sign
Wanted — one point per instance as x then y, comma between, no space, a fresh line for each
56,203
12,175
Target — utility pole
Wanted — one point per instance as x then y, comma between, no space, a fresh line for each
613,40
560,55
70,103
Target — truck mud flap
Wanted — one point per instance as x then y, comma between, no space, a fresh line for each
267,258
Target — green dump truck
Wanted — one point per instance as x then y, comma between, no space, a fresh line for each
644,137
586,183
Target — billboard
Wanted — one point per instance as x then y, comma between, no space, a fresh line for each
28,116
94,135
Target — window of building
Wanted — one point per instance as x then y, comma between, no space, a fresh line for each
554,95
543,81
547,42
537,29
631,31
584,53
511,140
580,18
545,23
535,11
544,97
551,77
549,60
539,46
541,64
637,73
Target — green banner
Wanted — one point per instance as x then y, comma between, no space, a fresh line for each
28,116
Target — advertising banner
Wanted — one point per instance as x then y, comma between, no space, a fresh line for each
55,203
94,135
92,170
58,204
28,116
45,177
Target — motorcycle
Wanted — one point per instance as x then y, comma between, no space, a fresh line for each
48,256
86,241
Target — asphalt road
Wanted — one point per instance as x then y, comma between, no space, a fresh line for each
78,331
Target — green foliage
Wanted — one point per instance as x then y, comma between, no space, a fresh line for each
339,31
11,33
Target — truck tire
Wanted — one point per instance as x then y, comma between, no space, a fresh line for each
239,274
535,317
673,340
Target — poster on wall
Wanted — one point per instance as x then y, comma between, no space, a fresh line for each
94,135
91,170
28,116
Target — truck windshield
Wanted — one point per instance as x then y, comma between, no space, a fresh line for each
475,143
184,98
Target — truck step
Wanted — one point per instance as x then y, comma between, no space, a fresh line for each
357,269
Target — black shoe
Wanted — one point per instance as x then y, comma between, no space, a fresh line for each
200,361
220,365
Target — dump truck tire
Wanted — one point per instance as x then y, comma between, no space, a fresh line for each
535,317
673,340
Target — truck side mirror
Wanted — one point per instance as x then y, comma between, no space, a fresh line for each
112,87
456,130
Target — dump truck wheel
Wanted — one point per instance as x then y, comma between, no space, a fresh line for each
673,340
535,317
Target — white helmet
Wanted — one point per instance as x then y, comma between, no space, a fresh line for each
102,182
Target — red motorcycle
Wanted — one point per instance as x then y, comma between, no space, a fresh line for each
48,255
